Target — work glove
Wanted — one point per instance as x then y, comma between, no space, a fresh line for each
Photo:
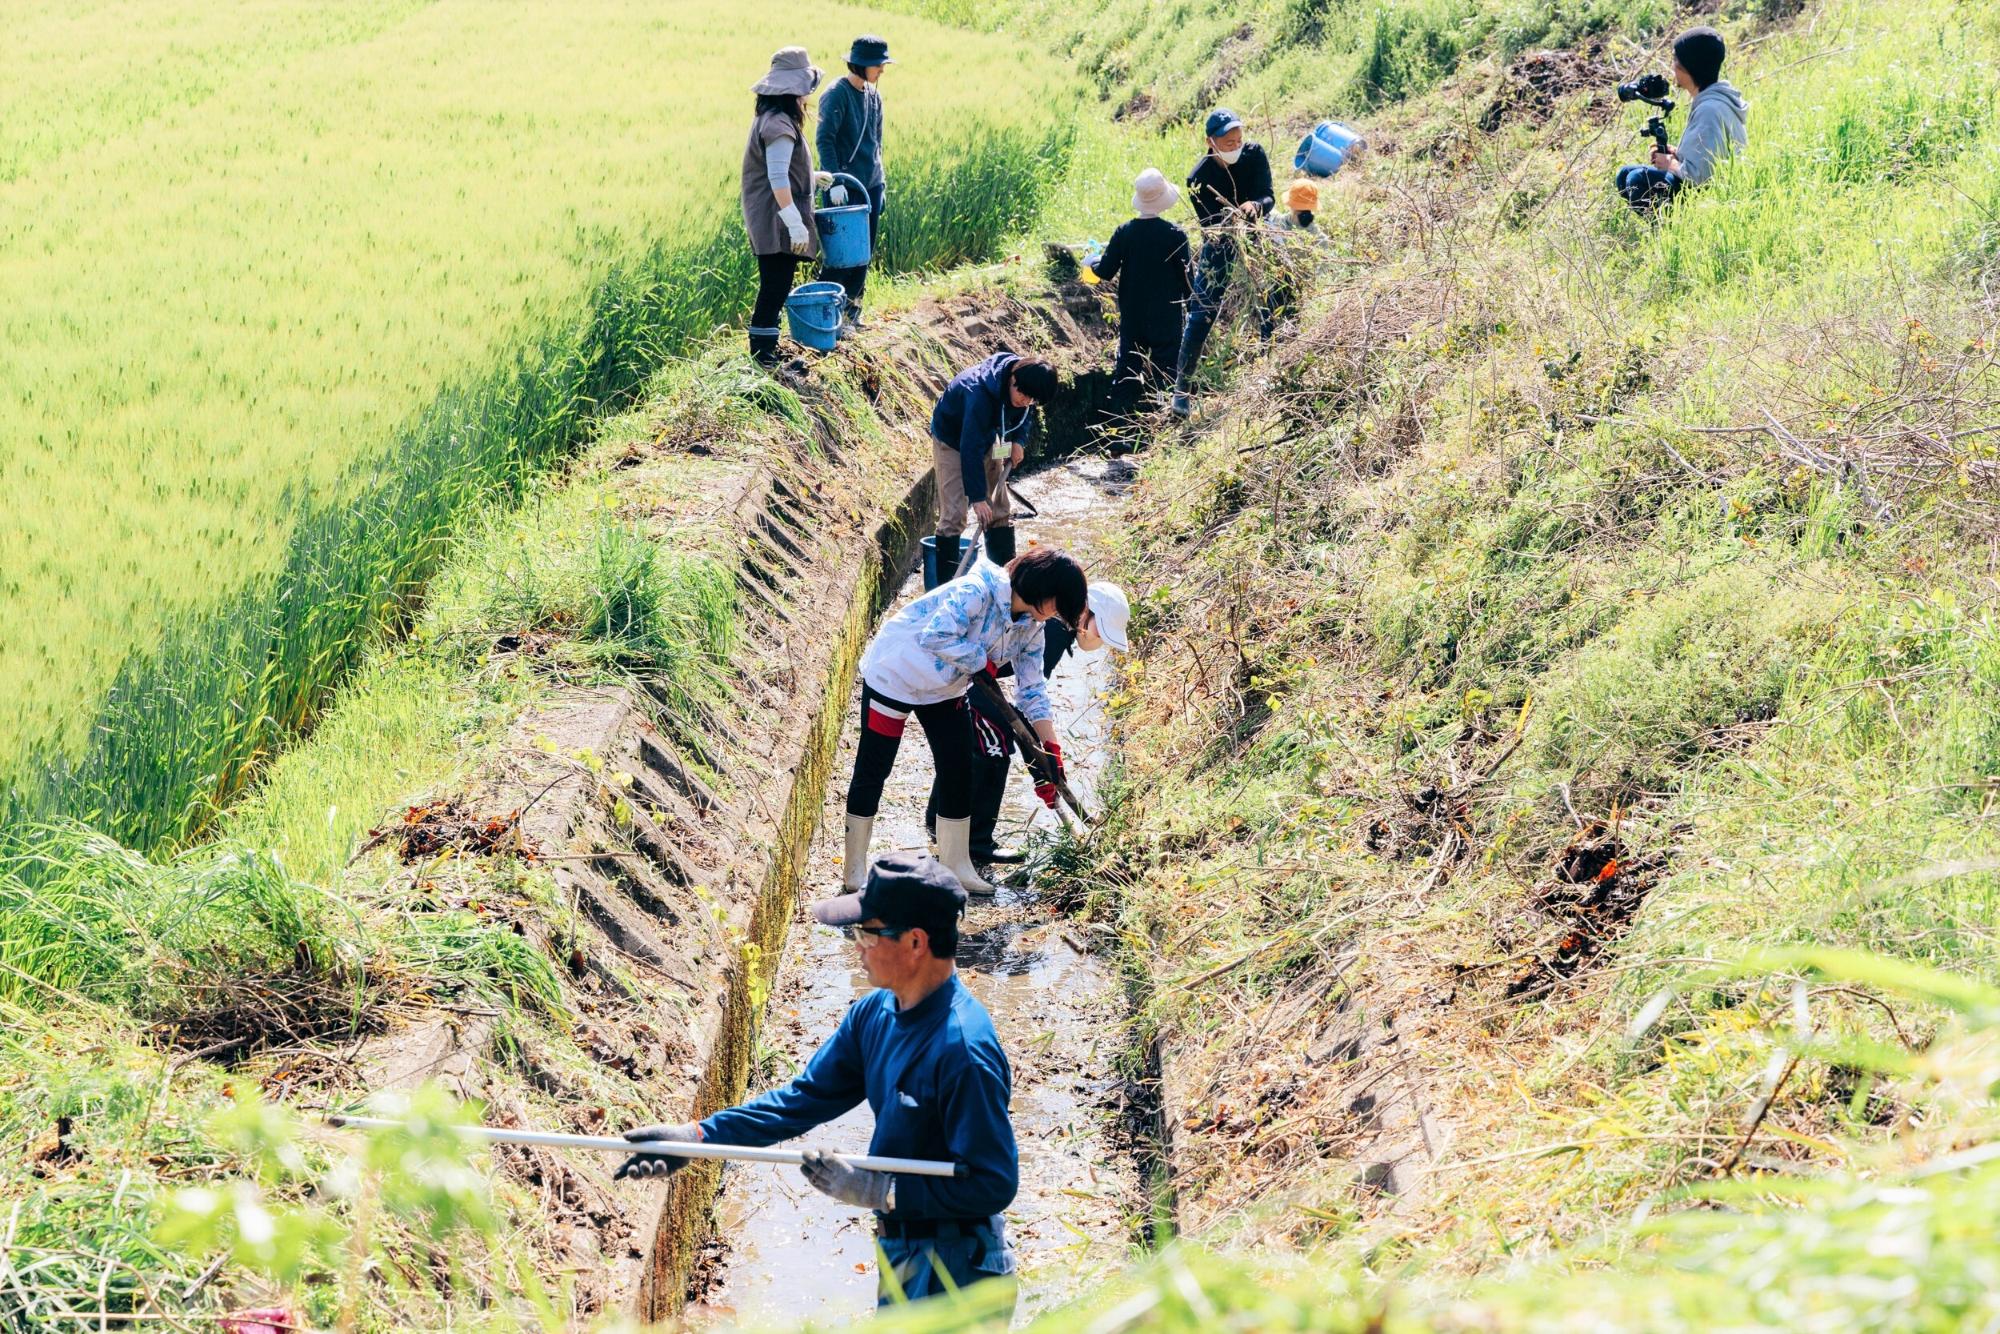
1046,789
822,179
795,228
642,1165
837,195
831,1174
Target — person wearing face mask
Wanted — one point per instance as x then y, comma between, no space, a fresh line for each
1102,626
1230,188
850,142
778,181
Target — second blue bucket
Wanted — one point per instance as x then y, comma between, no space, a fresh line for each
931,576
1326,149
815,311
843,228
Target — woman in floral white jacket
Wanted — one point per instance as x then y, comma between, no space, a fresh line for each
923,660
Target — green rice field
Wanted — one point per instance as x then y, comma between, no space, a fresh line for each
286,286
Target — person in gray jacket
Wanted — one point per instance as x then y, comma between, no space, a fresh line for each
777,184
850,142
1717,125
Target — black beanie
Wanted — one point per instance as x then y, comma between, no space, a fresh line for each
1700,52
1036,379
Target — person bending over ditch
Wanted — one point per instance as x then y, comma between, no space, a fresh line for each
1148,256
1717,125
921,662
850,142
778,181
923,1053
1231,189
979,432
1102,625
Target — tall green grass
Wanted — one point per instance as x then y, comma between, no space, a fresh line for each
337,277
186,723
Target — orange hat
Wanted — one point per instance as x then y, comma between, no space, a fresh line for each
1302,196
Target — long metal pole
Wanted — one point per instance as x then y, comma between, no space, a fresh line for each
612,1144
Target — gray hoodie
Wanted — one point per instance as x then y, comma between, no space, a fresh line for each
1716,127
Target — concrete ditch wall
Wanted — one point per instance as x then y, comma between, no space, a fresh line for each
675,830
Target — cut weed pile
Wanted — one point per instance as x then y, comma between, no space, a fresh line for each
1557,825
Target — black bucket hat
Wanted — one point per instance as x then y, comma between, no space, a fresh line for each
868,51
903,890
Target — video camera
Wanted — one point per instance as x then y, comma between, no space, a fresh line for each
1653,90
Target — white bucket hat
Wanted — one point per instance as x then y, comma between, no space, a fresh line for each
792,72
1108,604
1153,194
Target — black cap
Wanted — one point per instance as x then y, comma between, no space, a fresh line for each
902,890
869,50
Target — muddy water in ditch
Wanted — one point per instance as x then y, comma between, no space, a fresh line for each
782,1251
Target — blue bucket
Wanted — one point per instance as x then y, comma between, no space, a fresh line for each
929,545
1326,149
843,228
815,313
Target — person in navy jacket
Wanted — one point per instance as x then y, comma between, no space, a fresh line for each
921,1050
980,430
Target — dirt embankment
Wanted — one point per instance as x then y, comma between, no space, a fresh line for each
675,830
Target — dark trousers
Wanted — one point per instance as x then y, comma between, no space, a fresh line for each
966,1255
1145,366
774,284
1211,285
856,280
948,728
1646,188
992,753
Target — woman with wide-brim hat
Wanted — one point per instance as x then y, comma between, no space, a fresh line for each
778,181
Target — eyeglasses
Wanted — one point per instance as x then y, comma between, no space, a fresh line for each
856,933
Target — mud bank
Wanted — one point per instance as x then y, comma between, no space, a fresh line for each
669,832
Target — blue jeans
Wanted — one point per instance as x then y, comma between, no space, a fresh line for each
1211,284
1646,188
968,1256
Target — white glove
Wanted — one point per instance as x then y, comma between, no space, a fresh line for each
822,179
795,227
837,195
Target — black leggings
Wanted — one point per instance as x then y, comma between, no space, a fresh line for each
774,284
947,726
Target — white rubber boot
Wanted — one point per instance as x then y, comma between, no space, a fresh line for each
954,850
854,863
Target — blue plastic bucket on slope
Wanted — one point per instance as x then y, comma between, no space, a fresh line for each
815,314
1326,149
932,577
843,228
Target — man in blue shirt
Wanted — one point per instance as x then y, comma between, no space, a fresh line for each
923,1052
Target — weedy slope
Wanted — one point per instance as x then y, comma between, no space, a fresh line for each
1558,826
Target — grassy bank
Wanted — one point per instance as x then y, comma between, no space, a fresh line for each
1558,817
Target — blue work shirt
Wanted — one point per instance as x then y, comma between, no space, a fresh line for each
850,136
938,1083
974,417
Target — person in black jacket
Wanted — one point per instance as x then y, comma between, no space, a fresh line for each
1149,258
1231,189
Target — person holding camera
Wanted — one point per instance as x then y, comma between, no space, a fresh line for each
1717,123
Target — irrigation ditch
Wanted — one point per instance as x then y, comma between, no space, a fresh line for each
680,834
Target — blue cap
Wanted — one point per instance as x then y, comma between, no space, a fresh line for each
1221,121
